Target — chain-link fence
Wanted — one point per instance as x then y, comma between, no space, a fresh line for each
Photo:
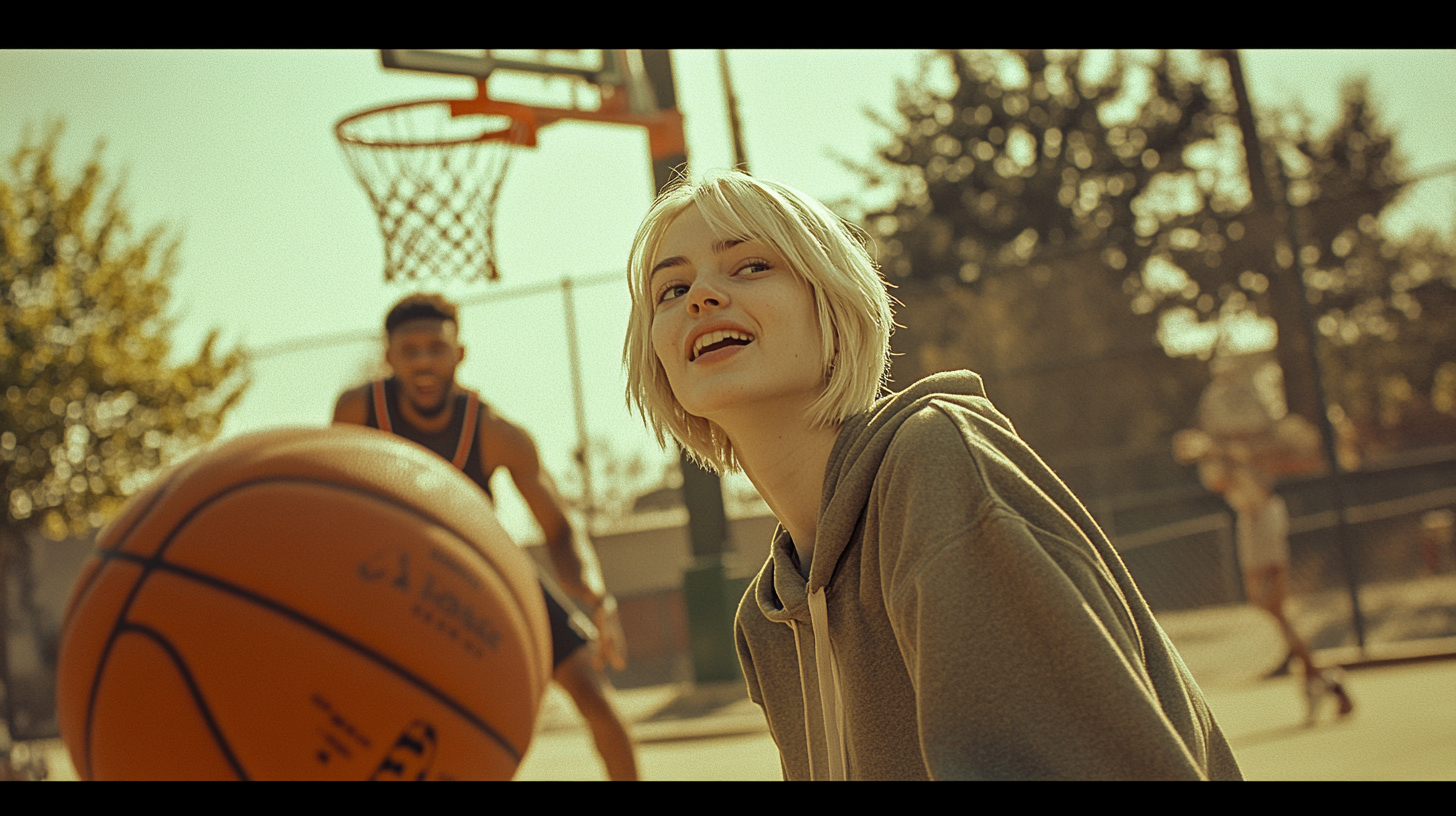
1391,584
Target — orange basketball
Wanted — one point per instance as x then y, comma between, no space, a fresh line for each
305,604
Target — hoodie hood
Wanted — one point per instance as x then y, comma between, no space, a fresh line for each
854,462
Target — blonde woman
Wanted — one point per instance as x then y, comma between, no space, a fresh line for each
936,605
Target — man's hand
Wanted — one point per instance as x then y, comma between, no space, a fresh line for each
611,643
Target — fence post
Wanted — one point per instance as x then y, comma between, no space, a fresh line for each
583,441
1296,331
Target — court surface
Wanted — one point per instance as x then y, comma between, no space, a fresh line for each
1403,728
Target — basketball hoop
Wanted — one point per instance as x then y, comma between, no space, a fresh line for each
433,177
433,170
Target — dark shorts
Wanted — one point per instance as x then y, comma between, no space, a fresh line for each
566,635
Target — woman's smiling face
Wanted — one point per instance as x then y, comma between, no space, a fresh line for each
732,325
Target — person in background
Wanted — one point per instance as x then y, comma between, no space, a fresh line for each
1241,470
423,403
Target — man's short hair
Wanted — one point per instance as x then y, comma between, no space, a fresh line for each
418,307
827,252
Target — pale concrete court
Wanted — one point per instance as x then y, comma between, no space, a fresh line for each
724,740
567,755
1403,726
712,734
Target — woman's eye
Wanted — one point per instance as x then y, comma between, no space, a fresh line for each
754,267
676,290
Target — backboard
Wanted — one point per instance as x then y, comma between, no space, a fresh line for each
619,74
600,67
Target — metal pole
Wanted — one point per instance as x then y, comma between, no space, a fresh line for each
740,161
710,607
1285,291
1327,431
1253,151
318,341
583,443
1267,203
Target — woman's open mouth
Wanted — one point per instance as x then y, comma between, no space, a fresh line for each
719,340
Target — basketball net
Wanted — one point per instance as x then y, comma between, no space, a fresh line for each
433,180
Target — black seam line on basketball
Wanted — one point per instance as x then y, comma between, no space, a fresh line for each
202,706
385,498
158,557
121,615
105,657
105,556
102,554
334,635
464,539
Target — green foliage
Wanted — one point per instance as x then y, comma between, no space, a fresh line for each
617,478
90,407
1028,195
1044,220
1026,160
1384,308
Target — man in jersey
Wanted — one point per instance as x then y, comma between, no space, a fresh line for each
422,403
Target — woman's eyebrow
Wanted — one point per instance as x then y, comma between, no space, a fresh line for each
676,260
719,247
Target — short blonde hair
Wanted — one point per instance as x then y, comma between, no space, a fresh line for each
826,251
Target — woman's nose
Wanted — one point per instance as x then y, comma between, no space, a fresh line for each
703,297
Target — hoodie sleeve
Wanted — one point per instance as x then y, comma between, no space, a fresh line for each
1022,651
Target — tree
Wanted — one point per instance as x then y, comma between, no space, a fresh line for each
617,478
1030,198
1061,230
1027,160
90,405
1384,308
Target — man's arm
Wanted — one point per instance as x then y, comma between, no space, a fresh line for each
573,558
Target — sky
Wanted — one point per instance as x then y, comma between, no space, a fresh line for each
235,150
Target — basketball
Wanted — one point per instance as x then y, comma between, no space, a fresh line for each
304,604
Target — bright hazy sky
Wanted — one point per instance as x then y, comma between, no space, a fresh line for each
236,150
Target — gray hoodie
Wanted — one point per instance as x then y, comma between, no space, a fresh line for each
964,618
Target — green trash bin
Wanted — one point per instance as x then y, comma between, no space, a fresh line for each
711,603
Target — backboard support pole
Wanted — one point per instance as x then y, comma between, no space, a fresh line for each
710,604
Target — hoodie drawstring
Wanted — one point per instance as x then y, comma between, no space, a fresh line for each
828,671
804,692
